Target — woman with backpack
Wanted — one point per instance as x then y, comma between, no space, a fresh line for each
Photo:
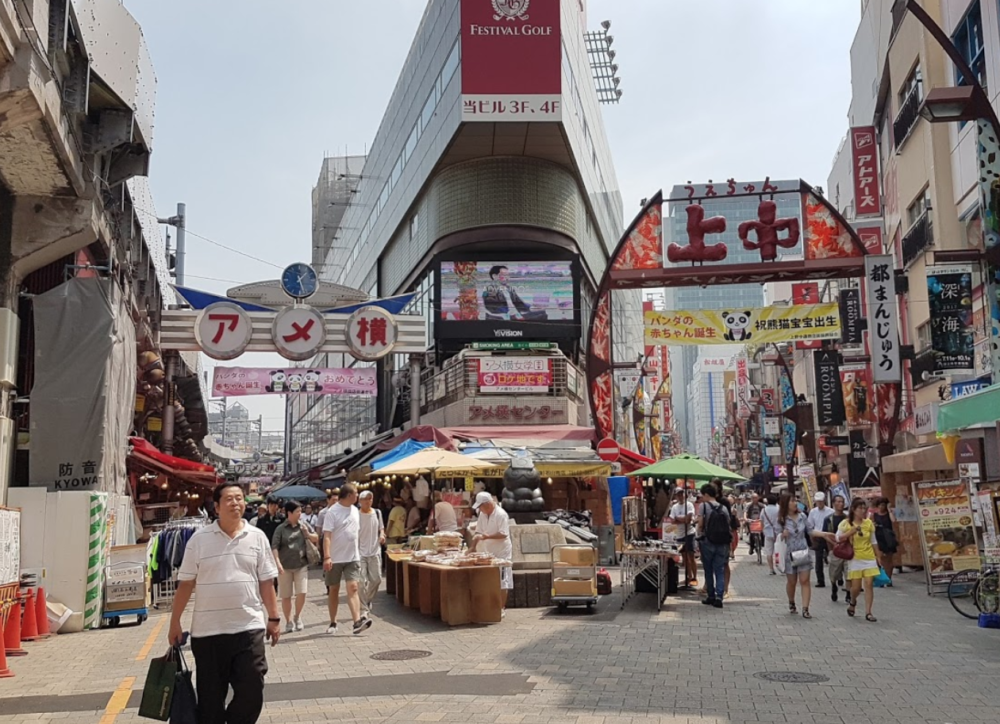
885,535
714,535
795,529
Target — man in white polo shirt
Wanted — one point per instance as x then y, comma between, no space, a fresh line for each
231,564
493,537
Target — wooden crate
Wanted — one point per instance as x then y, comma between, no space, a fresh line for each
532,589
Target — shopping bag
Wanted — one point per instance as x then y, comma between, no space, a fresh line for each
184,707
881,580
158,691
780,552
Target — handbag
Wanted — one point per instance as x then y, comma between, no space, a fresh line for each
313,557
158,691
800,558
844,549
184,706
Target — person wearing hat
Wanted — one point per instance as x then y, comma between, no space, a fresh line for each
493,537
817,517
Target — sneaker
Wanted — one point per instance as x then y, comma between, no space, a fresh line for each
503,614
774,573
820,585
362,624
717,604
708,601
299,625
289,627
332,629
833,596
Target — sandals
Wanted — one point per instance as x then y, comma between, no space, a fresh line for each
805,613
851,610
791,607
870,619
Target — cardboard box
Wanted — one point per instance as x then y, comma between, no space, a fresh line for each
569,570
566,587
578,555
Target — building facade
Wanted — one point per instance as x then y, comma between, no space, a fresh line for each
489,193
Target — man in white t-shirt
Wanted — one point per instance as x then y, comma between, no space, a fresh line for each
817,517
331,500
493,537
370,541
230,562
681,515
422,493
342,529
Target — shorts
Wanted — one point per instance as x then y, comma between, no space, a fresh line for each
346,571
858,568
296,580
769,548
837,566
506,578
687,544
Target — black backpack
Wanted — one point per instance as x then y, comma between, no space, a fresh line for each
717,528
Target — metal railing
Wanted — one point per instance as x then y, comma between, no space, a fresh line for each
917,239
909,114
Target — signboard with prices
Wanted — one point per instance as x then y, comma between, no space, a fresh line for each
948,534
515,375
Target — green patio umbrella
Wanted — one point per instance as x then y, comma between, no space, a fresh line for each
686,467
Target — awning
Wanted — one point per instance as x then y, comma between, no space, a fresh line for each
632,461
404,449
578,463
533,436
145,455
975,409
920,460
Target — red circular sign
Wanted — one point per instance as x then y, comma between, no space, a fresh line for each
608,450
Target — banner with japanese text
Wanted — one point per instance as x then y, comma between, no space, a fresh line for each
515,375
883,320
949,292
762,326
245,381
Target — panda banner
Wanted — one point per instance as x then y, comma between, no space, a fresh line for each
244,381
795,323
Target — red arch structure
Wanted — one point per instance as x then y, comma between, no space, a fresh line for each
831,249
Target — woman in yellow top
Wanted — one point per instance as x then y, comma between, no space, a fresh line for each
864,566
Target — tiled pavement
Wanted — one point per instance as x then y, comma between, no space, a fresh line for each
688,664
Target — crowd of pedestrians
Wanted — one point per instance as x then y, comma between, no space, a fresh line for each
849,548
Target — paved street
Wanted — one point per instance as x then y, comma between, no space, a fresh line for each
688,664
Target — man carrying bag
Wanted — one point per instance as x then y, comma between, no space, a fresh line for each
231,564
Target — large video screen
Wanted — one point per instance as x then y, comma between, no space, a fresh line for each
508,299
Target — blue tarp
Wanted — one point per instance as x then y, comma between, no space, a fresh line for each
618,488
403,450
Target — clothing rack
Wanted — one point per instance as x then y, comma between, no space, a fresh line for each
163,591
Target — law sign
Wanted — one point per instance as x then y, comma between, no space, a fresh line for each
608,450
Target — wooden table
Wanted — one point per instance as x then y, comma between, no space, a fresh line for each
456,595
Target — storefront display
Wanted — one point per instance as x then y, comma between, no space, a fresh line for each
949,537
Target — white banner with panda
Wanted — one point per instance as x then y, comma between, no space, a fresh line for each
244,381
793,323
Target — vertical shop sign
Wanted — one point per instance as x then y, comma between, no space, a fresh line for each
829,392
743,388
883,324
511,61
851,325
858,470
949,292
864,154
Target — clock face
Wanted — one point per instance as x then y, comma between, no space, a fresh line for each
299,281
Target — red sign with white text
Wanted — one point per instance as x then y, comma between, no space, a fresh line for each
511,60
871,237
864,156
515,375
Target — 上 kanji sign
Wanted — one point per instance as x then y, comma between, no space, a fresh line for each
864,157
223,330
883,323
299,332
371,333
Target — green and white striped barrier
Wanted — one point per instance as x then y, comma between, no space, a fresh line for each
95,560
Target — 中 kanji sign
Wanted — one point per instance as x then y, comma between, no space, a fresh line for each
883,324
371,333
223,330
299,332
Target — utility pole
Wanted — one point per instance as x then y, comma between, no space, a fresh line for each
225,408
179,222
260,432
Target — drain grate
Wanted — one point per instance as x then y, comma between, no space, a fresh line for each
791,677
401,655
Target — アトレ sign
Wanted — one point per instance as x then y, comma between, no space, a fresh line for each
371,333
299,332
223,330
864,157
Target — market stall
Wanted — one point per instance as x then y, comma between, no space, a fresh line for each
658,563
165,487
459,589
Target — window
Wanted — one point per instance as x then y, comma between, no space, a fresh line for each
968,38
414,226
911,85
918,208
924,336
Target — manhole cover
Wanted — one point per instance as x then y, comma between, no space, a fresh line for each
400,655
791,677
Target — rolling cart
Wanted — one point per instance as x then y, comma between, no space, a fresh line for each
125,586
574,576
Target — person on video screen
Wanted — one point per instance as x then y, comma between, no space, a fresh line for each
501,300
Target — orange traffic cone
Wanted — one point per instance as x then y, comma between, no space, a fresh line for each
12,631
29,626
5,673
42,615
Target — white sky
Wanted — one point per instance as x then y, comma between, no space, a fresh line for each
252,95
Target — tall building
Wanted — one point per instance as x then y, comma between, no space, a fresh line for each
742,296
489,193
338,181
